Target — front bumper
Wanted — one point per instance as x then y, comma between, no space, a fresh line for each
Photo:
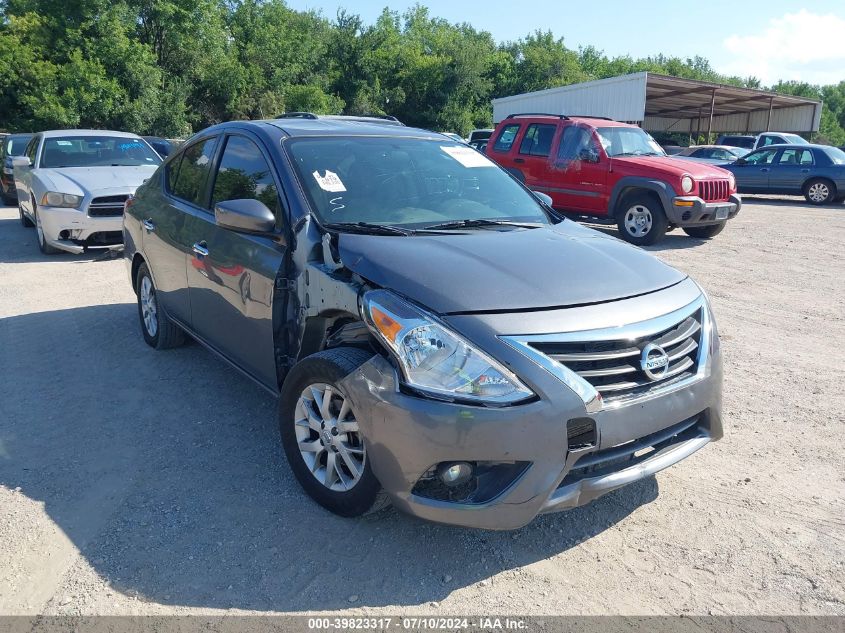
693,211
72,229
407,435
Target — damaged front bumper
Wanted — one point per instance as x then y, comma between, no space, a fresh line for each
527,448
73,230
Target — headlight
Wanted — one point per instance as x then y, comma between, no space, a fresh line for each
54,199
435,359
687,184
732,180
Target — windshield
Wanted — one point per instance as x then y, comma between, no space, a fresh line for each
16,145
97,151
628,141
406,182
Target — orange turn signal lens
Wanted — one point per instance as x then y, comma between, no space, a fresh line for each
684,203
386,324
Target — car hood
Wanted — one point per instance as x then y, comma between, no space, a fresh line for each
489,270
82,180
670,165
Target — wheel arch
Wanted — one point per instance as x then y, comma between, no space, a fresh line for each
829,181
137,260
629,186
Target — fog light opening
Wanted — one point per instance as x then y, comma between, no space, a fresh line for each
455,473
64,235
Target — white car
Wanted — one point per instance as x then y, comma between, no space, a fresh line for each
72,185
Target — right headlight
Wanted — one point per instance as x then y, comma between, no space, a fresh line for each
433,358
687,184
55,199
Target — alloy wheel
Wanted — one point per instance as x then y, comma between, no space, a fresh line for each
328,437
638,220
149,310
818,192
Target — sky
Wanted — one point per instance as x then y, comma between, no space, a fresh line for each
769,39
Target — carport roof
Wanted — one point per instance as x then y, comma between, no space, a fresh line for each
674,97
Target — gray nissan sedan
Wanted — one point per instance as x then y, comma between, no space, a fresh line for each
437,337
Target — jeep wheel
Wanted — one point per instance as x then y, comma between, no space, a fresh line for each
705,232
321,437
641,220
819,191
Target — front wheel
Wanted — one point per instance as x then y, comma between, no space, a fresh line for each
43,245
25,221
321,436
705,232
641,220
820,191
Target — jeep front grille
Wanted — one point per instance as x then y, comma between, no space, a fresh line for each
107,206
714,190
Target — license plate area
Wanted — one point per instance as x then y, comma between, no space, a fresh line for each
722,213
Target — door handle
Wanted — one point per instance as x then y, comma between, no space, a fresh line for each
149,225
764,169
519,160
805,171
200,248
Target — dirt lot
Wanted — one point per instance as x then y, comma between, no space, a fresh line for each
140,482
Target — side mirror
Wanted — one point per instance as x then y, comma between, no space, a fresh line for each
588,155
740,161
246,215
543,197
21,161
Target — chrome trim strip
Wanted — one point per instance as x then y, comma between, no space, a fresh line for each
591,398
576,357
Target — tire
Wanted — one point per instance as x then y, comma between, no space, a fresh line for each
301,415
25,221
705,232
819,191
158,330
641,220
43,246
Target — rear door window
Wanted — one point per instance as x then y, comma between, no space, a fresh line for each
244,173
506,138
538,140
796,157
189,183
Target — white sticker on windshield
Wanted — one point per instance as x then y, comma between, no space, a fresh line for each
330,182
63,143
467,156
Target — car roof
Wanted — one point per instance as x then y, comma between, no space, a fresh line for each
19,135
61,133
291,127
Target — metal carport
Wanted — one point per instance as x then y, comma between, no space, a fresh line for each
660,103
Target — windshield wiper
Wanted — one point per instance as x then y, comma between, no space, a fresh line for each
368,227
466,224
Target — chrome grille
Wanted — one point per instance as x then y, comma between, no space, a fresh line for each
614,368
107,206
714,190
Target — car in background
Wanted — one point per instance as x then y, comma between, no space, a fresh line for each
479,145
815,171
393,289
72,186
760,140
713,154
602,169
482,134
162,146
12,145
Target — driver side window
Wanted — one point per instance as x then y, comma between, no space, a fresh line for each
575,139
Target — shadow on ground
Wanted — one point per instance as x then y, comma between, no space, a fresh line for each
164,469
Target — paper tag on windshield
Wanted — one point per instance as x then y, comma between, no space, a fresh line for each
330,182
467,156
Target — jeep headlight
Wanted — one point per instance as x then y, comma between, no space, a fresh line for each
433,358
55,199
687,184
731,180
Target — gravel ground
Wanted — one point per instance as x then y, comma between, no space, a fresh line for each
138,482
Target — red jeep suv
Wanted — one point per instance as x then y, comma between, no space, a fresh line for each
597,167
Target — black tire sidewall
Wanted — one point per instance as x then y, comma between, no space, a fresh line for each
659,222
152,341
831,191
320,368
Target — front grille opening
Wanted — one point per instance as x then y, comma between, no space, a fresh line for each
107,206
614,367
490,480
629,454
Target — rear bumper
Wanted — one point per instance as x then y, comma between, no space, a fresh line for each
693,211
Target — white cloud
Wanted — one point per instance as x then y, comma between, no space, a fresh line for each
803,46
